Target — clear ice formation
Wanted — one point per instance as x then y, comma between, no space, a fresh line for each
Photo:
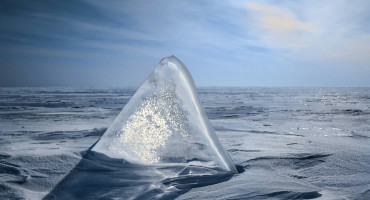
164,122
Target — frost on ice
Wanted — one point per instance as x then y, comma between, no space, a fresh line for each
164,122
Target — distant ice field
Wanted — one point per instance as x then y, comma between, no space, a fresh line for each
289,143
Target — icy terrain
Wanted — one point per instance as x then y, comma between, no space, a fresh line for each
291,143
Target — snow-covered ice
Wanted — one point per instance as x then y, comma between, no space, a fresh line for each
288,143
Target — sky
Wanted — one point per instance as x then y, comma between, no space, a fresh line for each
92,43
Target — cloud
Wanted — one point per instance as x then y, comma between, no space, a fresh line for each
278,20
322,34
239,42
280,27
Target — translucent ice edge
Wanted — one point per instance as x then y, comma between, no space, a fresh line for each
164,122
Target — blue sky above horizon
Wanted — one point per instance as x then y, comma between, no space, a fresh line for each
223,43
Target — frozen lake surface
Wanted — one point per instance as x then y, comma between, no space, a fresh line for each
289,143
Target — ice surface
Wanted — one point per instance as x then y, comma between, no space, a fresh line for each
293,143
164,122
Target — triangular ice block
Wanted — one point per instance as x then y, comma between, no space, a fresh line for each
164,122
